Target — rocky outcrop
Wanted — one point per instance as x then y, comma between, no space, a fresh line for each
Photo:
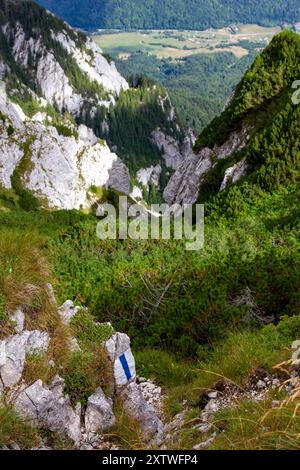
58,169
99,414
147,176
48,408
67,311
91,61
65,76
120,354
58,66
38,52
137,408
234,173
13,352
153,395
185,185
172,151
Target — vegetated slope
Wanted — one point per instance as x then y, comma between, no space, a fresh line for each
172,14
199,86
256,138
265,102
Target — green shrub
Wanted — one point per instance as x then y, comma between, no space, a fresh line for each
85,372
87,331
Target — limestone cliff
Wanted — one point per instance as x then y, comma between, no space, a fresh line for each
64,105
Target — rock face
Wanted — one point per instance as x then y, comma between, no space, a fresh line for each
99,415
13,351
31,51
185,185
48,408
58,163
60,169
64,76
171,151
147,176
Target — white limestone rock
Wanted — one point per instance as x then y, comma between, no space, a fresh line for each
61,169
99,416
12,359
136,406
120,354
136,193
153,395
13,352
147,176
48,408
92,62
234,173
53,81
68,311
18,317
65,169
36,342
86,135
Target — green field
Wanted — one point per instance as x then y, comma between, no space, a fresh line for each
180,44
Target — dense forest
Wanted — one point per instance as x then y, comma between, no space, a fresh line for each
199,86
172,14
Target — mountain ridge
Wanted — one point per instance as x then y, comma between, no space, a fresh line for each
157,14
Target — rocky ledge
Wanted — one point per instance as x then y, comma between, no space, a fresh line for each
47,406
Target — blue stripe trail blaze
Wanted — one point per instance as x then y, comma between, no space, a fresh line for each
125,366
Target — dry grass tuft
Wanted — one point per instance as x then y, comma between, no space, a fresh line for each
23,270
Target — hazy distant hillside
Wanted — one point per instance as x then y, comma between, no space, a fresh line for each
174,14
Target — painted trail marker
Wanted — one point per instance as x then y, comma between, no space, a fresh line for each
125,368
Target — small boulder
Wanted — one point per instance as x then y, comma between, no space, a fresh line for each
261,384
18,317
12,359
13,351
137,408
212,406
99,415
67,311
